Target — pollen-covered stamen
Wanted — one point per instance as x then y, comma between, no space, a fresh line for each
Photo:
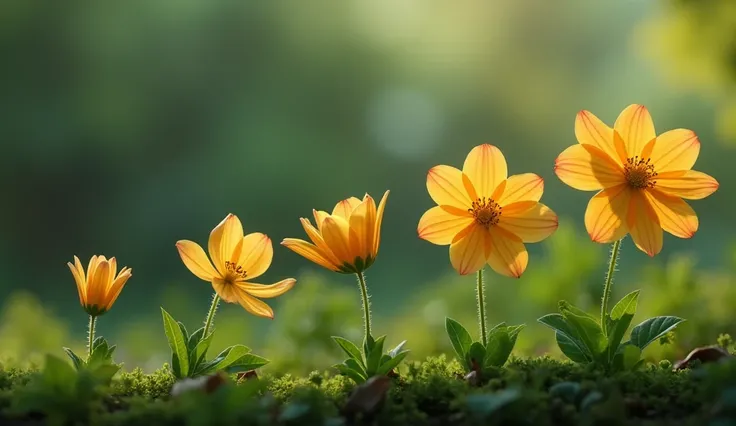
640,172
235,269
485,211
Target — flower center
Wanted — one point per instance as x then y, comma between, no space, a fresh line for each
640,172
485,211
235,271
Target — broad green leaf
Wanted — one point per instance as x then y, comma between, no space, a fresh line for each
246,363
356,376
183,331
399,348
476,354
225,359
352,363
563,304
620,319
498,349
459,337
373,359
349,348
587,329
178,345
627,305
58,373
78,362
392,363
558,323
652,329
572,348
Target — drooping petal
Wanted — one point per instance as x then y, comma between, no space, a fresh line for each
688,184
439,226
644,225
267,291
469,254
636,128
524,187
508,255
486,167
587,168
253,305
345,207
196,260
445,186
531,225
605,217
379,223
590,130
362,221
675,150
256,254
223,240
675,215
310,252
336,232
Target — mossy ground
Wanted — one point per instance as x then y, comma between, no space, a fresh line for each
538,391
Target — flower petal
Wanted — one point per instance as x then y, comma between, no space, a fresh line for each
345,207
96,291
253,305
256,254
319,217
590,130
485,165
508,255
675,215
445,186
225,289
469,254
438,226
362,221
688,184
675,150
223,241
587,168
523,187
379,223
605,217
636,128
318,241
643,224
336,232
79,279
196,260
116,287
309,251
267,291
531,225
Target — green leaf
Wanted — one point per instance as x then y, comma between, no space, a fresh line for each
57,372
460,339
78,362
195,338
620,319
392,363
587,329
198,354
246,363
356,376
627,305
499,326
350,362
104,373
99,342
373,359
225,359
178,345
183,331
514,331
368,343
498,349
558,323
476,355
349,348
572,348
652,329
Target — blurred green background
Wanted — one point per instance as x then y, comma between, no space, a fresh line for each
127,126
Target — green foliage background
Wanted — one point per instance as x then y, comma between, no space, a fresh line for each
129,125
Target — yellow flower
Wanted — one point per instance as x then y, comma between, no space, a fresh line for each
100,286
642,178
237,258
345,241
485,216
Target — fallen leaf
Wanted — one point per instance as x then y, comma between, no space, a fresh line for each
704,355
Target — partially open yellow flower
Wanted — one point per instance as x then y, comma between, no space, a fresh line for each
101,285
484,216
345,241
237,258
642,178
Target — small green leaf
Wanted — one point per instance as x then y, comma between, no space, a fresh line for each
558,323
587,329
356,376
498,349
198,354
78,362
499,326
195,338
373,359
627,305
349,348
225,359
246,363
572,348
514,331
392,363
620,319
352,363
368,343
460,339
475,356
178,345
652,329
104,373
183,330
56,372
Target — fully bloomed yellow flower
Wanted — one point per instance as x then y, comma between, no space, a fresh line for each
345,241
485,216
101,285
236,258
642,178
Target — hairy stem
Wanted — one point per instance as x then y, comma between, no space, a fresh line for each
481,307
211,314
91,334
612,262
366,303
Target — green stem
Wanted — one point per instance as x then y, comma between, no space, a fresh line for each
211,314
91,332
612,262
481,307
366,303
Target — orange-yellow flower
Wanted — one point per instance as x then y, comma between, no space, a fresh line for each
345,241
101,285
642,178
485,216
236,258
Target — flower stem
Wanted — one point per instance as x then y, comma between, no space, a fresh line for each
211,314
612,262
91,332
366,303
481,307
